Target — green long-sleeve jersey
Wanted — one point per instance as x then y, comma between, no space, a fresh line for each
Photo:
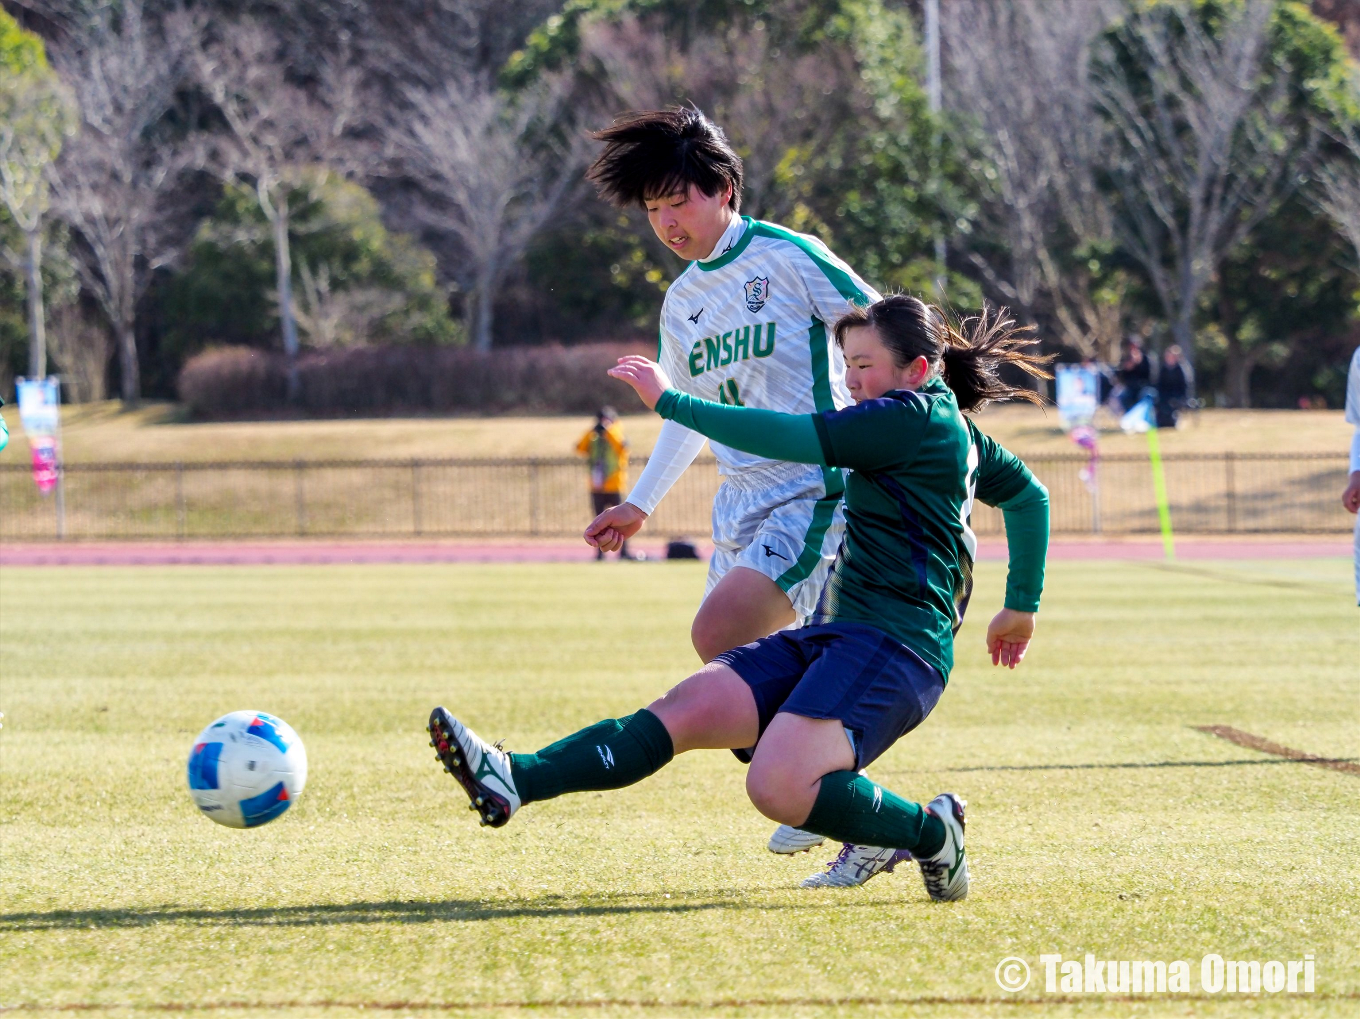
906,563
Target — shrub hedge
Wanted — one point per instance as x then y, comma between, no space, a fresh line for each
237,382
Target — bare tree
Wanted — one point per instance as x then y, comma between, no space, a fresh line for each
37,114
112,183
1205,145
493,169
1017,85
276,127
777,108
333,316
1340,177
82,350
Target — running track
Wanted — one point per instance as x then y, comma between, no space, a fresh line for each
254,553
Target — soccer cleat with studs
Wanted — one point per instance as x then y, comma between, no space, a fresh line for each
481,769
788,840
855,865
946,873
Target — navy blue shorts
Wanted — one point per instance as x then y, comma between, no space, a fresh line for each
873,685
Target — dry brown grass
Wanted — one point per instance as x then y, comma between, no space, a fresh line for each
103,431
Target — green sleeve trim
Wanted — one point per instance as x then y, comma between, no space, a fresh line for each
1026,516
727,257
839,278
822,516
821,366
832,479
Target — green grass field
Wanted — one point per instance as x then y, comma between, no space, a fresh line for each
1100,819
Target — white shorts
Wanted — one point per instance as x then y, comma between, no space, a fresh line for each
780,521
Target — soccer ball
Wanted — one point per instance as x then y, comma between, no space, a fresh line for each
246,769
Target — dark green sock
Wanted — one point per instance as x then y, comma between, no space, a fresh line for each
850,808
607,755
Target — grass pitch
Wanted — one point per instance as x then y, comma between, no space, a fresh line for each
1100,820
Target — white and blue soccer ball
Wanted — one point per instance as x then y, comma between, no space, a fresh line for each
246,769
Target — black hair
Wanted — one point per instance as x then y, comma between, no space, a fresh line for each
967,354
654,153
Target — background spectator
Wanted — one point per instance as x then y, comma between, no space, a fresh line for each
606,451
1173,386
1134,375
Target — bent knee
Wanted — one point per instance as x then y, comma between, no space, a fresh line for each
777,798
709,637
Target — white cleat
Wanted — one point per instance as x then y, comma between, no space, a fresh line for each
946,873
856,865
481,769
788,840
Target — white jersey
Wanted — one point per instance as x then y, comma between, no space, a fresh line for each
752,326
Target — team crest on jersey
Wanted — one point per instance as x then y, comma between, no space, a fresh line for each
757,292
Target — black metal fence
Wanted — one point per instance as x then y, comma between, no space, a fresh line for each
1209,493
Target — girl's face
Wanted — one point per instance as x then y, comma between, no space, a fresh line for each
869,367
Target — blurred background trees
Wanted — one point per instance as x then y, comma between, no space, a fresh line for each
294,175
36,116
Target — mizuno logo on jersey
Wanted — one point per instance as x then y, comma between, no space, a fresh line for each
695,317
728,348
771,552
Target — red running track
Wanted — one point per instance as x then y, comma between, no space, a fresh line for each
320,551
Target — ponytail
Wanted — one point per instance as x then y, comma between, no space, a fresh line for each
974,352
967,355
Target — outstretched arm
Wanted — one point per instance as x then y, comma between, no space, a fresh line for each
1005,482
675,450
1011,630
765,433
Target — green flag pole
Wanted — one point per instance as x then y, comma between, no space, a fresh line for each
1159,487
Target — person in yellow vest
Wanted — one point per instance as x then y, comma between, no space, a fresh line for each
606,451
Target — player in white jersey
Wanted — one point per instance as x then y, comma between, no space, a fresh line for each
747,322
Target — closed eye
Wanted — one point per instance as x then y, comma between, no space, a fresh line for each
673,202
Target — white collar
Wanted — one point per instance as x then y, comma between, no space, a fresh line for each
728,240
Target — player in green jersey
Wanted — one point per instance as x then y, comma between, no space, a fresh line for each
811,707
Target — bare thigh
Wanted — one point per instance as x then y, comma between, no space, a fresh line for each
789,762
744,606
713,709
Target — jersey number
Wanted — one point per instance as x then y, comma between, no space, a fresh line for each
729,395
970,492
